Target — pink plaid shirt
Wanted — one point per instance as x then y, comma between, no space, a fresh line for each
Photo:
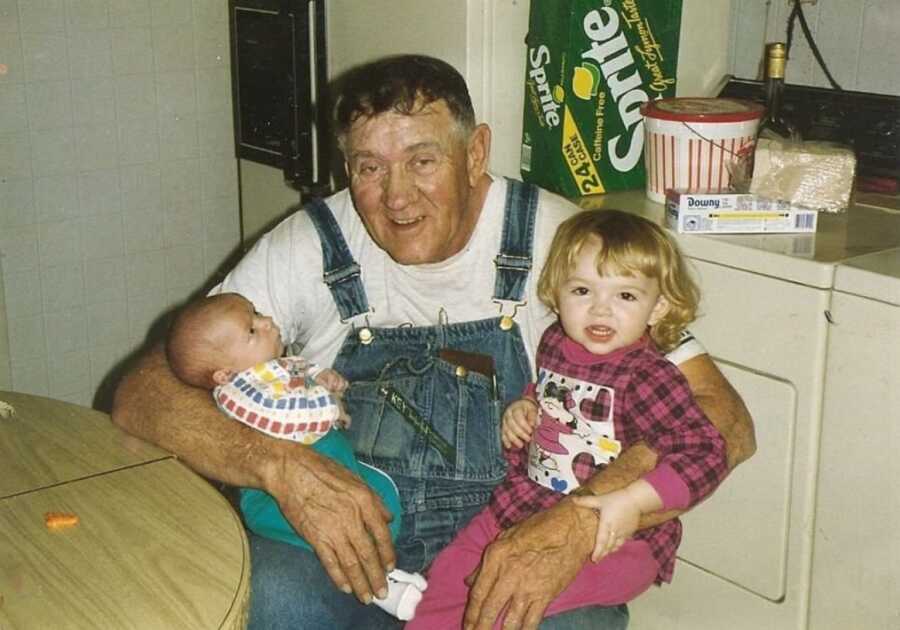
650,402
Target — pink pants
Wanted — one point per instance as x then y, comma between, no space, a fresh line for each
618,578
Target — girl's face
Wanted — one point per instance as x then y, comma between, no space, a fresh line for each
605,313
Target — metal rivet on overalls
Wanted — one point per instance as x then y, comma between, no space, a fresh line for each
365,336
461,371
506,322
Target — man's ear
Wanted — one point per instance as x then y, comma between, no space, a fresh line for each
222,376
478,153
659,310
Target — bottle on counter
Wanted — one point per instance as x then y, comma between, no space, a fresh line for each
774,124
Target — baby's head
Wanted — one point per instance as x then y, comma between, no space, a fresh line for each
214,338
629,246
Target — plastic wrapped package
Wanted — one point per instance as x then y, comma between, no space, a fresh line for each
816,175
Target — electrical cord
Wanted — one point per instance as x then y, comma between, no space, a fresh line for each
797,13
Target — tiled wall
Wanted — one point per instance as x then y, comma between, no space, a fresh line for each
118,190
859,40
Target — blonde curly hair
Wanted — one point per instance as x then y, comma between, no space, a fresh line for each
631,244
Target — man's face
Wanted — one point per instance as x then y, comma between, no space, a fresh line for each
417,182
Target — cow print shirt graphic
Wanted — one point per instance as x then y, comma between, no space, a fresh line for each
575,422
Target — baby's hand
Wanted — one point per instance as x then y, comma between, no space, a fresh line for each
335,383
519,421
331,380
343,420
619,517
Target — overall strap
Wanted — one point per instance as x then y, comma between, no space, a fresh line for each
341,271
514,260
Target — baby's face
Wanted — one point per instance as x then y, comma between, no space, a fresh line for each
251,338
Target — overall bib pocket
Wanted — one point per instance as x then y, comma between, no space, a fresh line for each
421,419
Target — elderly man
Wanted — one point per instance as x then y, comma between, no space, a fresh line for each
418,283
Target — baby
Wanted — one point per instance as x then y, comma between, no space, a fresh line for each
222,343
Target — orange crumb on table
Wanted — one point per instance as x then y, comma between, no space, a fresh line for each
60,520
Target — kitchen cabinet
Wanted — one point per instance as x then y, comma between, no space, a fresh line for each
278,77
747,558
856,553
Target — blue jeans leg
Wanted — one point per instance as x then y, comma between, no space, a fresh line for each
290,590
590,618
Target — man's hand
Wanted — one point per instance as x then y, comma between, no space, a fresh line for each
514,576
340,517
519,421
327,504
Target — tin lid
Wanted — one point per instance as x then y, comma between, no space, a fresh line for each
690,109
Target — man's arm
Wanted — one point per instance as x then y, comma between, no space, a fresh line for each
328,505
151,403
724,408
512,570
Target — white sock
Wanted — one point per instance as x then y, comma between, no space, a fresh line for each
404,594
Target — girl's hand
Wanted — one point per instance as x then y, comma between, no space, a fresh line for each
619,516
519,421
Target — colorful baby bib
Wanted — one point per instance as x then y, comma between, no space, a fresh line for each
280,398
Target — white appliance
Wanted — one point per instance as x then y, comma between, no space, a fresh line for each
856,555
747,560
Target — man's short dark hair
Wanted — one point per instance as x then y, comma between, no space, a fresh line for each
404,84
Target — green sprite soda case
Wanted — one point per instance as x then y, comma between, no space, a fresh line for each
590,66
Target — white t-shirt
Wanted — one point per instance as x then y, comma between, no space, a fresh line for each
282,276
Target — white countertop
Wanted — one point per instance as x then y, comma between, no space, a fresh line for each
809,259
875,276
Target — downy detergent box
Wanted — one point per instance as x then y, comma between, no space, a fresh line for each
590,66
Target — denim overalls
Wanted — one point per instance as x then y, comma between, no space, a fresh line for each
433,426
